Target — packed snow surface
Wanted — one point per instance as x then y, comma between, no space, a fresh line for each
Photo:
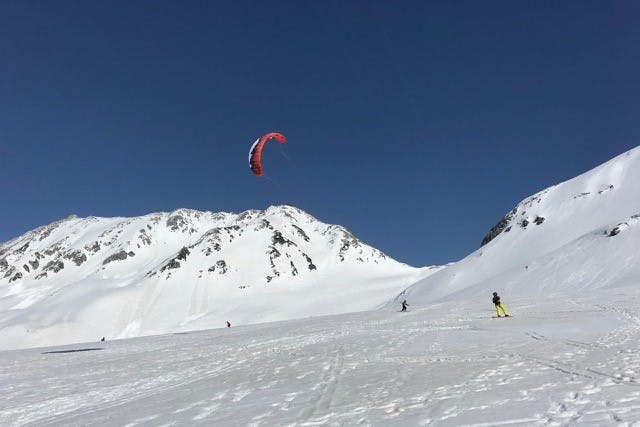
570,361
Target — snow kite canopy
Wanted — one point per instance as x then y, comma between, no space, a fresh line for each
255,153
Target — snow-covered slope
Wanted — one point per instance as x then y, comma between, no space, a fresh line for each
82,278
579,235
566,261
570,362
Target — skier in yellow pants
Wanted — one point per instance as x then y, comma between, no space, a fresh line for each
499,306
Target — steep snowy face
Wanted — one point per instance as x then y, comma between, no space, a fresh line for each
285,238
573,221
82,277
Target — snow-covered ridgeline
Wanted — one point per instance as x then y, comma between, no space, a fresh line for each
581,234
79,278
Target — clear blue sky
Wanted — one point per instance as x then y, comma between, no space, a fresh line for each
416,125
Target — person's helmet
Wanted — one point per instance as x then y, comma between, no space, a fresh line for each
495,293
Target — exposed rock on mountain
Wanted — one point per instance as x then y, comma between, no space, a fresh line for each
183,270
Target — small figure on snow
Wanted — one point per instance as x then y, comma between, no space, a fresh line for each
499,306
404,305
102,339
228,324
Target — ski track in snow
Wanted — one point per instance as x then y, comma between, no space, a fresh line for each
444,366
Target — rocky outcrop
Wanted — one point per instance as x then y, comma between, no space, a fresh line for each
93,247
499,227
220,266
118,256
77,256
301,232
174,262
280,234
176,222
53,266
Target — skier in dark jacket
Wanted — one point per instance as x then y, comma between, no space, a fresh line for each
499,306
404,305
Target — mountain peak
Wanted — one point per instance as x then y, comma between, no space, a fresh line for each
557,234
186,268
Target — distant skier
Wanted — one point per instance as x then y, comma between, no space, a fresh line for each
499,306
228,324
404,305
102,339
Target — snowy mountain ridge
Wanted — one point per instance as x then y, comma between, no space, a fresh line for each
66,241
186,269
566,262
581,234
79,278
